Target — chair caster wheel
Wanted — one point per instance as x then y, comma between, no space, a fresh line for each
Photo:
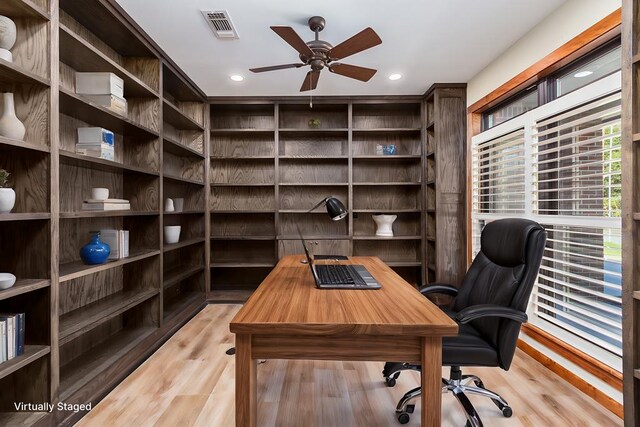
390,381
403,418
507,412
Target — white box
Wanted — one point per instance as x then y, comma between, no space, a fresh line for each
112,102
99,84
102,152
95,136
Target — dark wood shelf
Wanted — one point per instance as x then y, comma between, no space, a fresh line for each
83,319
313,237
24,216
177,275
31,353
22,145
313,184
430,154
328,131
430,125
82,56
193,212
185,180
21,418
237,296
242,264
390,211
22,286
388,130
303,157
70,158
184,243
11,74
174,116
355,184
174,147
241,211
181,303
636,216
388,157
22,9
175,85
243,237
403,263
76,106
636,295
105,214
227,184
231,131
248,158
80,371
76,269
396,237
317,211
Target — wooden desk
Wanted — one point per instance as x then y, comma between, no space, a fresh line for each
287,317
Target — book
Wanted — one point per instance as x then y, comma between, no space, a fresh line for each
114,103
118,241
101,151
20,334
3,340
95,136
11,335
99,84
106,201
106,206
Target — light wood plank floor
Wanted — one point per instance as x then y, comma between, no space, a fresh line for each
190,382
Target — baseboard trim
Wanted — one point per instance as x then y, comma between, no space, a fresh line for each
579,383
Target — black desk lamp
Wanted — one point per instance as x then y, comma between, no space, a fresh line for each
335,208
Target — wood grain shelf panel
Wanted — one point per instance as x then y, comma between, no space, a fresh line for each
174,147
232,184
11,73
21,418
403,263
177,275
387,130
180,304
243,237
636,216
313,237
242,211
230,295
9,143
388,157
175,117
386,210
31,353
23,286
105,214
396,237
370,183
240,131
84,57
80,371
242,264
185,243
181,179
300,156
636,137
76,106
76,269
75,159
303,211
249,158
313,184
24,216
194,212
636,295
430,154
83,319
22,9
327,131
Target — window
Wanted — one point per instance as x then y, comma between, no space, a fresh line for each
583,73
559,164
511,108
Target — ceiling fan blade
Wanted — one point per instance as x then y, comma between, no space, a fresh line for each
276,67
289,35
364,40
353,71
311,81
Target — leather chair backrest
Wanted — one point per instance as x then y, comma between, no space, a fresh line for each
503,273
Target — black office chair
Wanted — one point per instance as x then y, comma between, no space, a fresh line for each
489,308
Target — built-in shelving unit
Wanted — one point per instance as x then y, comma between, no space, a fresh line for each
88,326
269,167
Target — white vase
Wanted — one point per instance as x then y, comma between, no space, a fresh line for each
168,205
10,125
7,37
172,234
7,199
385,224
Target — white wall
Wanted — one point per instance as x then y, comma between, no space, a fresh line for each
569,20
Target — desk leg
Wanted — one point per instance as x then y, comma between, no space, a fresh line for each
431,381
246,383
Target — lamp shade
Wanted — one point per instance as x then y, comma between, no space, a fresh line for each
335,208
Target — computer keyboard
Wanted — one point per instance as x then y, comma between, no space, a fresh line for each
338,274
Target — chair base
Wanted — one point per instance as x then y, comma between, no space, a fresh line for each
457,384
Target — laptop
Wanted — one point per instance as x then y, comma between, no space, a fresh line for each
339,276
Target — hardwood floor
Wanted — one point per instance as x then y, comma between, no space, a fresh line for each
190,382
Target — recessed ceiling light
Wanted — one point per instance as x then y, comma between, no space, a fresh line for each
236,78
584,73
395,76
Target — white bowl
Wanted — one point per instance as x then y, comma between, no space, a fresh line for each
100,193
172,234
7,280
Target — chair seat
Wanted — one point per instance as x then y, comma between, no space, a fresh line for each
467,348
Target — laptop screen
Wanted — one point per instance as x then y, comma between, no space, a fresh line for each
309,258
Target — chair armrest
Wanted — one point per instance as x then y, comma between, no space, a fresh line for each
490,310
439,288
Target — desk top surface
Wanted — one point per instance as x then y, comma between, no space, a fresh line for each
288,302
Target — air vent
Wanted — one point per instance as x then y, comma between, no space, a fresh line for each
220,23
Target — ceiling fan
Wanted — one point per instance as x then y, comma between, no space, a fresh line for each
320,54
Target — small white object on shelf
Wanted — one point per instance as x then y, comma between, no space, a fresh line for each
100,194
118,241
168,205
172,234
100,151
106,205
7,280
178,204
95,136
385,224
10,125
8,34
114,103
99,84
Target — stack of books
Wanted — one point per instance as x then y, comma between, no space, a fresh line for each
104,89
118,241
11,336
96,142
106,205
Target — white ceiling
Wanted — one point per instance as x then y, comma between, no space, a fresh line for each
427,41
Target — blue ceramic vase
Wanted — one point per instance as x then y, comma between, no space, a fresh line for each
95,252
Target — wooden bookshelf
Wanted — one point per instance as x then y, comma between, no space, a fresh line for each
87,326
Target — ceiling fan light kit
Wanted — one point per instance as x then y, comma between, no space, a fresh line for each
319,54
